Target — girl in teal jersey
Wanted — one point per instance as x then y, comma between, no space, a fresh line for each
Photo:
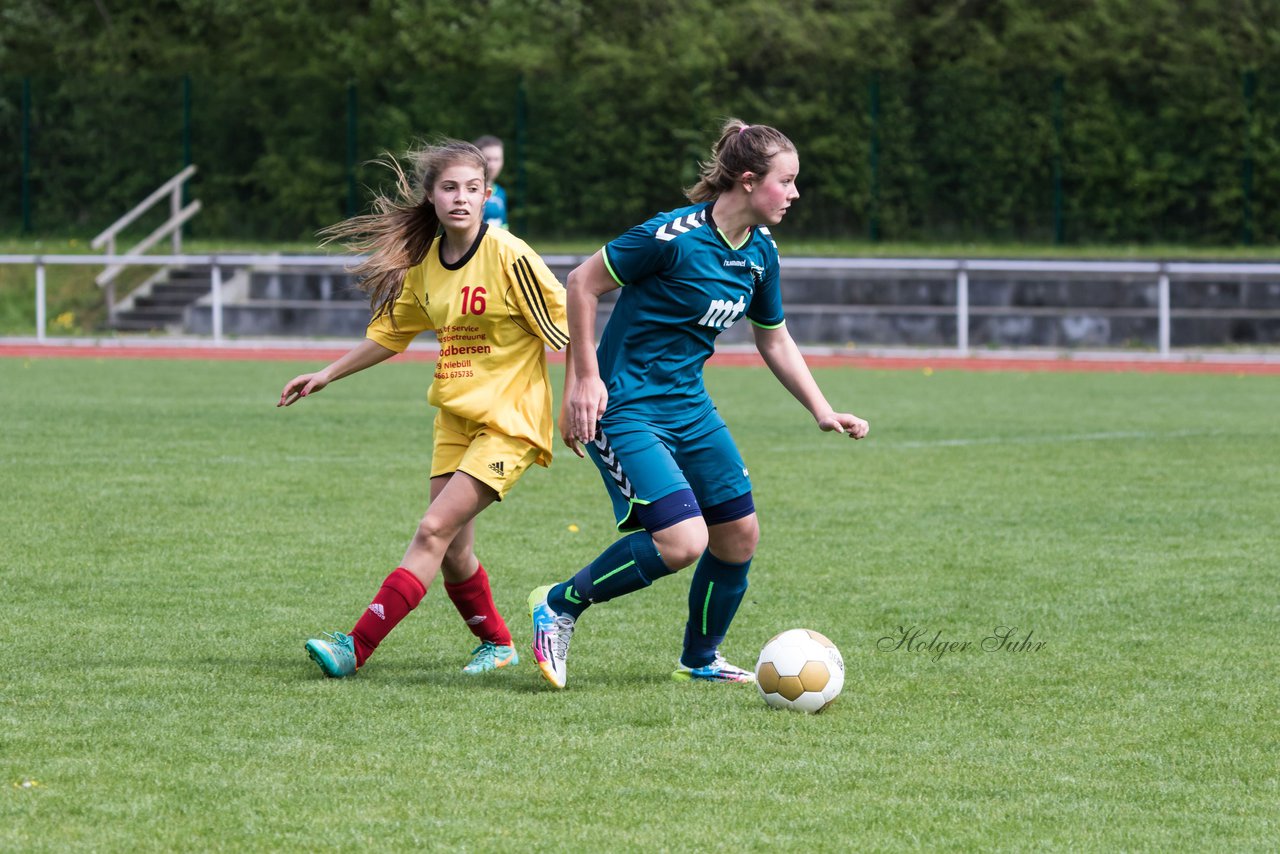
679,487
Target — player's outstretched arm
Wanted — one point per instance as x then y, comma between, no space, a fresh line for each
364,355
784,358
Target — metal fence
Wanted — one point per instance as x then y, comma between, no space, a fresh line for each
1165,275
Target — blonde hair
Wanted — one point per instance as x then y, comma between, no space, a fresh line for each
741,148
403,224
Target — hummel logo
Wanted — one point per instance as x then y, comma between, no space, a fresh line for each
608,457
496,468
681,225
476,620
376,608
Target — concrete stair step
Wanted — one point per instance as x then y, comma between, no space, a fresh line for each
160,300
194,288
195,272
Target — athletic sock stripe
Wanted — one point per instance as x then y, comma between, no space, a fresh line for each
706,604
538,303
615,572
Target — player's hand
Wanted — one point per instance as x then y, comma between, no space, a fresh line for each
566,432
301,386
584,407
843,422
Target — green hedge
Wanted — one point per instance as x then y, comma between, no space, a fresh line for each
1025,120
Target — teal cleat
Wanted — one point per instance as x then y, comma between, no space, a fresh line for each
336,656
490,656
718,670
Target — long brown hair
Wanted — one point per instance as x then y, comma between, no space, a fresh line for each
740,148
403,224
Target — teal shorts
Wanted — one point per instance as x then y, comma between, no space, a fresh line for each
641,463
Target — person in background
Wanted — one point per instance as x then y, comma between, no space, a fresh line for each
495,308
495,209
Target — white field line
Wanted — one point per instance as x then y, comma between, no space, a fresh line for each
1052,439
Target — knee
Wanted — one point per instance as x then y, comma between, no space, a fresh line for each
736,541
682,544
433,535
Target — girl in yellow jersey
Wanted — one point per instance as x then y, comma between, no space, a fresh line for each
495,308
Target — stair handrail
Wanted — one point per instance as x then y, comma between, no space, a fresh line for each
178,216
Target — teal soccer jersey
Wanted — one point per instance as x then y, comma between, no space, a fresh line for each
682,285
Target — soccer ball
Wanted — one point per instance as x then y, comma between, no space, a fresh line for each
800,670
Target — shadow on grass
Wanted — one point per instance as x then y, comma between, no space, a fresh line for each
439,672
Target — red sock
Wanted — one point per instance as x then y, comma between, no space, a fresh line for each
400,593
474,602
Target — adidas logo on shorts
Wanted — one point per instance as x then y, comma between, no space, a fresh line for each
496,468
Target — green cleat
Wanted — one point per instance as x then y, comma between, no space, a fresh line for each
335,656
490,656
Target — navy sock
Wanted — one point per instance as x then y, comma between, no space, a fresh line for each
632,563
714,596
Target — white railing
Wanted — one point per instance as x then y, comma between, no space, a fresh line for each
215,262
172,227
1161,273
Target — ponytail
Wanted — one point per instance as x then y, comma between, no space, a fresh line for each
741,148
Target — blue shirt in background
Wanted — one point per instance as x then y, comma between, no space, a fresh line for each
495,209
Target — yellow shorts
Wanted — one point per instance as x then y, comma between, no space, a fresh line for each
493,458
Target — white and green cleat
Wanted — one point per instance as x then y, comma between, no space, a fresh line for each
551,635
718,670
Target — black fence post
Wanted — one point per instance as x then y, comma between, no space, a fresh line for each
1246,166
352,140
522,177
26,155
873,215
1059,226
186,146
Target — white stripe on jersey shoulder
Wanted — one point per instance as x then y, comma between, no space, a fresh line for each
765,231
681,225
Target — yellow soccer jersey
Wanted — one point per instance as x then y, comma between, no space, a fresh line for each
493,312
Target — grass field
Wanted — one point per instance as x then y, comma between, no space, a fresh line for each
170,539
